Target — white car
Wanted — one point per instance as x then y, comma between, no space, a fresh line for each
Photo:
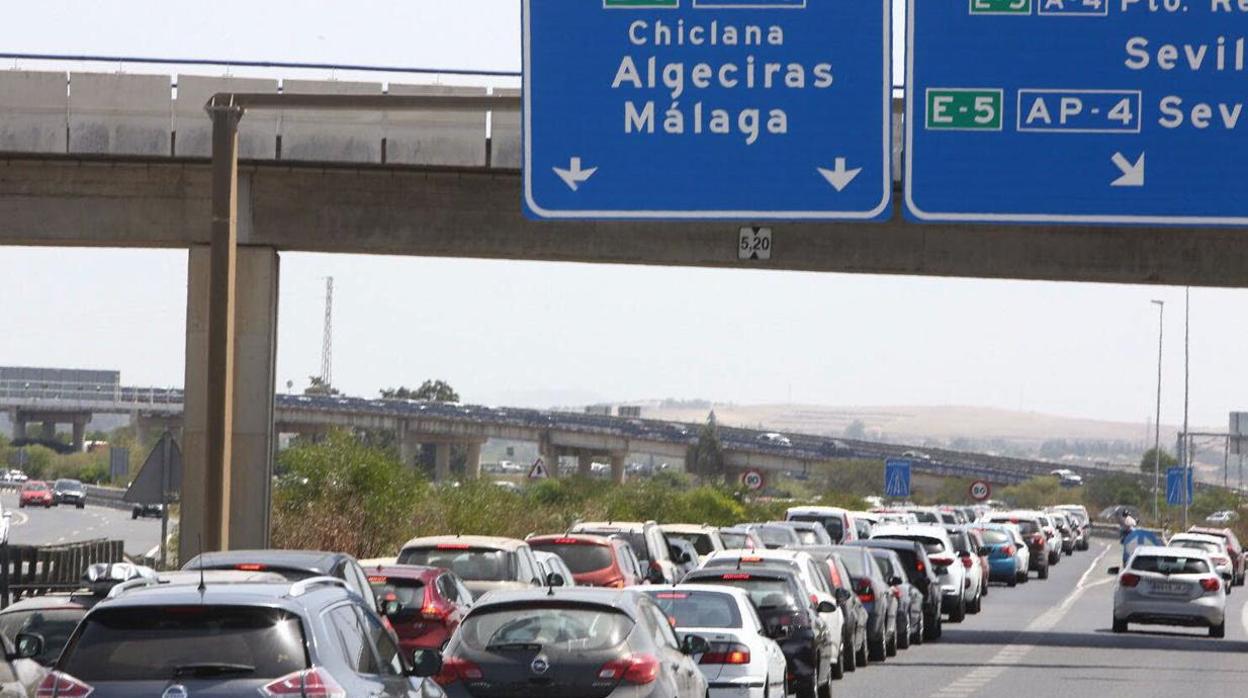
955,586
553,564
774,439
806,567
1222,517
704,539
1053,539
1170,586
1214,546
743,661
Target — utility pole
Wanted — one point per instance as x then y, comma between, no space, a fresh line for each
327,337
1187,380
1161,328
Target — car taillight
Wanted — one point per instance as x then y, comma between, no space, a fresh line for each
249,567
726,653
920,566
1129,580
615,584
896,592
309,683
942,561
1008,551
431,609
1038,539
1210,584
639,669
866,593
458,669
967,562
62,686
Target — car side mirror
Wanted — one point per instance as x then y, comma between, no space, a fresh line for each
554,579
842,595
695,644
896,582
825,606
29,645
1114,570
426,663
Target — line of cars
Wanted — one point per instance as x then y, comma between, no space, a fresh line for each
37,493
603,609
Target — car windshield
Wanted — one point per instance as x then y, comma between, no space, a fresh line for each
1207,546
162,643
701,542
69,485
832,524
570,628
54,625
698,609
471,564
581,558
1169,565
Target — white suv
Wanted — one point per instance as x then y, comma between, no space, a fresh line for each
954,582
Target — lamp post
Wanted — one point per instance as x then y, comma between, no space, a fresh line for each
1187,375
1161,315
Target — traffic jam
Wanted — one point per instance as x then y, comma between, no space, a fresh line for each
603,609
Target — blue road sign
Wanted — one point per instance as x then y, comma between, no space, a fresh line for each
1077,111
707,109
1174,486
896,478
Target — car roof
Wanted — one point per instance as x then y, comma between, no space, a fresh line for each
316,561
891,544
1162,551
928,530
621,526
495,542
781,555
583,538
686,528
1201,537
51,602
272,595
625,600
193,576
817,510
804,525
738,593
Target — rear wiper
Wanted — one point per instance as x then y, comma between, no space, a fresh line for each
211,669
513,646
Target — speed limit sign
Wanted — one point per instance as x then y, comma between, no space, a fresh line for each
980,490
753,480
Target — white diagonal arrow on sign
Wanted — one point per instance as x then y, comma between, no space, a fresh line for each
574,176
1132,174
839,177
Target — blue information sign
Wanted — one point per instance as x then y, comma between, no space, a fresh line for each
896,478
1175,489
1077,111
707,109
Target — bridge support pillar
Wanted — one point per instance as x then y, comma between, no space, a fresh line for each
19,426
618,461
80,433
472,465
585,463
48,431
550,458
408,448
228,474
442,461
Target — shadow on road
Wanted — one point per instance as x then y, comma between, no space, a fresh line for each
1100,639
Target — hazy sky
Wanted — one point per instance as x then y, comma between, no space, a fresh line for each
530,333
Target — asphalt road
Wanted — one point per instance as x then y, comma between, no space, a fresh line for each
1052,639
35,526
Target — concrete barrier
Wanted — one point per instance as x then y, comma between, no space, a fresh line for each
435,138
257,133
34,110
505,136
330,136
116,114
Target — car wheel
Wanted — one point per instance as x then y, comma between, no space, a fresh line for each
974,607
838,667
940,627
1070,551
1120,626
1218,631
890,648
825,690
1013,581
958,614
82,505
920,633
983,591
862,657
878,650
1043,572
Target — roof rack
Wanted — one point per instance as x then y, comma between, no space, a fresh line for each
129,584
304,586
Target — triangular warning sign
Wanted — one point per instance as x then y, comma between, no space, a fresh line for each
538,471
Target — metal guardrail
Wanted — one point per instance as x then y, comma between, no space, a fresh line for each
31,570
73,391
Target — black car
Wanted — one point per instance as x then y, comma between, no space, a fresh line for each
312,637
788,618
294,565
854,628
920,574
570,641
909,598
146,511
876,595
69,492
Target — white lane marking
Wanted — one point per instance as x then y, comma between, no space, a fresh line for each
1243,617
20,518
1013,654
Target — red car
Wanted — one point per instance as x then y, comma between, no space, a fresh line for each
424,604
35,493
595,561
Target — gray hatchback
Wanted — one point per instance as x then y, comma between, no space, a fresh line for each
314,637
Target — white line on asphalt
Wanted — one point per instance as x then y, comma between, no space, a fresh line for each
1013,654
20,519
1243,617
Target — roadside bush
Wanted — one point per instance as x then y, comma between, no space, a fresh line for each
1038,493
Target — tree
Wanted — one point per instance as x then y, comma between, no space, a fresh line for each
317,386
706,456
1149,461
856,430
431,390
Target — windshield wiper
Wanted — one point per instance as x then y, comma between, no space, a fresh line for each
211,669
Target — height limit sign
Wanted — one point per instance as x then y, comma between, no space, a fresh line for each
748,110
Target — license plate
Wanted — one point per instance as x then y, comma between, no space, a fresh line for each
1170,587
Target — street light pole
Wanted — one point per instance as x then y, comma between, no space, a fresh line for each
1161,327
1187,375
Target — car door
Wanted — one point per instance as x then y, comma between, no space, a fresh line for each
391,664
358,652
679,666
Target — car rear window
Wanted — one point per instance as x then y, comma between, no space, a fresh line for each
1025,526
1169,565
701,542
698,609
164,643
569,628
581,558
732,540
808,537
766,593
54,625
992,537
471,564
931,545
636,541
886,566
409,592
854,563
1197,545
926,517
777,535
36,487
832,524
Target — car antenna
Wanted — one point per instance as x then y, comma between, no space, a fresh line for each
202,586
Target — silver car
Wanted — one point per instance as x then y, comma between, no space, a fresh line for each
1170,586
